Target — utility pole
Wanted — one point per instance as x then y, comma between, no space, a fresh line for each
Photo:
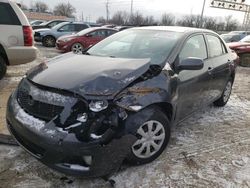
107,10
131,9
202,13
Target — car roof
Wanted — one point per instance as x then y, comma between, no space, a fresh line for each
174,28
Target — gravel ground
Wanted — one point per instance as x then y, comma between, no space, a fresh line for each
210,149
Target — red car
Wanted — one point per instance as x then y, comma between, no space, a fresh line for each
242,48
83,39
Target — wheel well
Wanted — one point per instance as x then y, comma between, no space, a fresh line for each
49,36
3,54
166,108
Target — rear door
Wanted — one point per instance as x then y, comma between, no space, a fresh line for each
219,59
194,85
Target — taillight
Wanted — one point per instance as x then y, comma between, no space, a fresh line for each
28,35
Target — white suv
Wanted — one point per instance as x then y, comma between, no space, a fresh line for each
16,38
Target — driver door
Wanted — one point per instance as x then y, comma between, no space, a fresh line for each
194,85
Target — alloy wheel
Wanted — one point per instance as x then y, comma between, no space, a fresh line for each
77,48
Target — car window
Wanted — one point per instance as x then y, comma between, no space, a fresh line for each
215,46
80,27
98,33
194,47
7,15
67,28
52,24
110,32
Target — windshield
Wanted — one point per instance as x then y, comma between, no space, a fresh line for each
85,31
230,38
58,26
138,44
246,39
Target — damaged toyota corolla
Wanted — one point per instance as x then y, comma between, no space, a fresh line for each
86,114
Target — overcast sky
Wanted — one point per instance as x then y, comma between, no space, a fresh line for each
95,8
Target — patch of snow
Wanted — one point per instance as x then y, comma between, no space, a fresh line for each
94,136
49,97
79,167
128,80
27,119
135,108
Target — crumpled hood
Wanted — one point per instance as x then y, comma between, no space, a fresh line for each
89,75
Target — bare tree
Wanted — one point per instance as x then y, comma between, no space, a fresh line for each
41,6
101,20
167,19
120,18
64,9
149,20
189,21
209,23
230,23
136,19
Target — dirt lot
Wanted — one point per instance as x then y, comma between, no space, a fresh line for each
210,149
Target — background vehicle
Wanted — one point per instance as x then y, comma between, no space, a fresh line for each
48,37
16,39
241,33
231,37
83,39
120,98
242,48
48,24
36,22
121,28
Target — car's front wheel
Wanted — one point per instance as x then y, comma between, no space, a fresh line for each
3,67
77,48
152,135
222,101
49,41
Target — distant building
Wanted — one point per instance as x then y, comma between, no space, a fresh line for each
45,16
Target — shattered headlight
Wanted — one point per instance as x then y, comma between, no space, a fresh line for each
97,106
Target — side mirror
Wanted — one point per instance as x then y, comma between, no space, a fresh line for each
191,63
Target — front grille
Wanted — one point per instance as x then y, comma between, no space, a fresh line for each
41,104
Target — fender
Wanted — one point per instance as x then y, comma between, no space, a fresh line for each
143,94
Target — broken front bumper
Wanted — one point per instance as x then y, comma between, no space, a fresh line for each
61,150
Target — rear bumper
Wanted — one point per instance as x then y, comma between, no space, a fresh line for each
62,47
20,55
62,151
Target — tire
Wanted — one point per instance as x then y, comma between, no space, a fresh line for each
222,101
77,48
3,67
142,151
49,41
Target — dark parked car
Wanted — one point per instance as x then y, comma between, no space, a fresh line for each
85,114
82,40
48,24
48,37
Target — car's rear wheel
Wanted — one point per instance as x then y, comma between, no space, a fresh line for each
3,67
152,135
222,101
49,41
77,48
